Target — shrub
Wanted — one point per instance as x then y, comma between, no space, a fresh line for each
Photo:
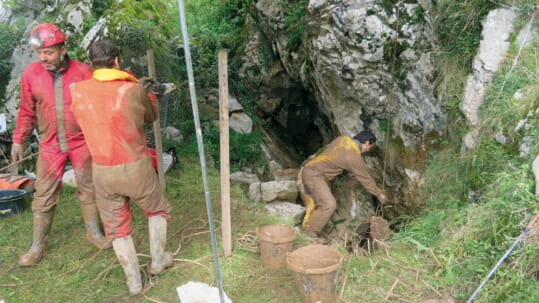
8,41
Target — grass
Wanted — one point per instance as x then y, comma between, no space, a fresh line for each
74,271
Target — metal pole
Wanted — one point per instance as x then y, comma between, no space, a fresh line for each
200,146
507,253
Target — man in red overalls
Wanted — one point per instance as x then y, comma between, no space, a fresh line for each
46,103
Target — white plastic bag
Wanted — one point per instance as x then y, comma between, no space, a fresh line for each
198,292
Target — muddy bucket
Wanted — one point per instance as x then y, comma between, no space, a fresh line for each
315,268
275,242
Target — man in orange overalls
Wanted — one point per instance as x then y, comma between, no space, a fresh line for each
111,109
344,153
46,101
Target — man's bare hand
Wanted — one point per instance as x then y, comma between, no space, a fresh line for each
382,198
17,152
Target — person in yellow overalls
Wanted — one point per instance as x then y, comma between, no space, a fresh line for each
343,154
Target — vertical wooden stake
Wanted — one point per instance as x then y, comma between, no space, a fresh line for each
157,126
225,153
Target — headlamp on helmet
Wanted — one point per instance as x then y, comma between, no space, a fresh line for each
45,35
35,42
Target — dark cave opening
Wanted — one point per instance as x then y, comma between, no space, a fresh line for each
300,125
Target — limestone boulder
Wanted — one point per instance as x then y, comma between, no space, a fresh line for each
279,190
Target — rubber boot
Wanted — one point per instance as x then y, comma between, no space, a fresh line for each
91,221
126,254
42,227
161,259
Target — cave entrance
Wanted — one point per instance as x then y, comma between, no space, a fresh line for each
299,124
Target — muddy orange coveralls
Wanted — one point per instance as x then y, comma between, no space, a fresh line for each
112,109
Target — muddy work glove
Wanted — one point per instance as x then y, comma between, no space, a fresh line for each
152,86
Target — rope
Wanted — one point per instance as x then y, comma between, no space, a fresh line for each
184,239
390,105
248,242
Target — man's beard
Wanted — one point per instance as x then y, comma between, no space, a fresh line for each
54,67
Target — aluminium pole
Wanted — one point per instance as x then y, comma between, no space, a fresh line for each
200,143
507,253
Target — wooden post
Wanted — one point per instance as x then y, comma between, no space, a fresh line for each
157,126
224,153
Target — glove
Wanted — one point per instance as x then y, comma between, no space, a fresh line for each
382,198
157,89
147,83
17,152
152,86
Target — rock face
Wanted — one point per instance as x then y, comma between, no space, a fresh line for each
355,208
337,67
497,27
5,14
359,64
345,66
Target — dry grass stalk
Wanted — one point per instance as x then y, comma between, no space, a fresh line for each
345,277
389,293
432,288
372,269
435,258
402,266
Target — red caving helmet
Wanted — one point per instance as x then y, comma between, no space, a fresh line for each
45,35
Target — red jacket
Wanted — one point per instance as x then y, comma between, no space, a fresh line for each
38,105
112,108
